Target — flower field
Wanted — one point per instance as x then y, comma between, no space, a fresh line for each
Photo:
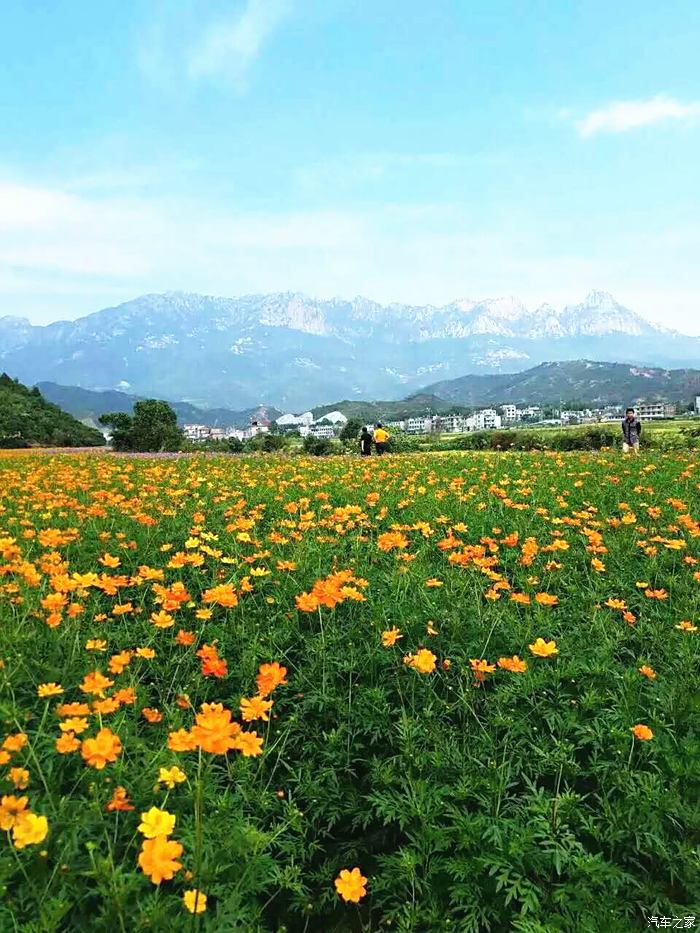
432,692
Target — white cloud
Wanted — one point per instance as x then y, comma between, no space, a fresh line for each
622,116
64,254
229,46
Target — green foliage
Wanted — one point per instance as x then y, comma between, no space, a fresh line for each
319,446
267,443
152,427
351,429
26,419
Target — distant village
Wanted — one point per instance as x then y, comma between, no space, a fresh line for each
331,424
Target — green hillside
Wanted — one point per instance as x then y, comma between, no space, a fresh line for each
592,383
27,420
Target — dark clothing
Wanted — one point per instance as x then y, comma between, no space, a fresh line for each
365,444
631,431
380,448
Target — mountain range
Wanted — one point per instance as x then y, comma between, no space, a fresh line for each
292,351
590,383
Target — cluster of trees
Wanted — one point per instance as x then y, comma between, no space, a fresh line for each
151,427
28,420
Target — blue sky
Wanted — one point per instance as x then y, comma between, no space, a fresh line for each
407,151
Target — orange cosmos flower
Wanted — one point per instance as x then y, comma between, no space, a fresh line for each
19,777
270,676
249,744
223,595
392,540
67,744
73,709
103,749
214,731
162,619
15,742
647,671
184,637
543,649
306,602
95,683
11,809
255,708
181,741
642,732
119,800
158,858
391,636
480,667
521,598
351,885
546,599
686,626
514,664
616,603
656,594
118,662
423,661
151,714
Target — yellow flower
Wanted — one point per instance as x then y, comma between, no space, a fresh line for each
351,885
195,901
543,649
686,626
48,690
29,830
171,776
156,823
162,619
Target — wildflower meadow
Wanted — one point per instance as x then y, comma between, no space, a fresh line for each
432,692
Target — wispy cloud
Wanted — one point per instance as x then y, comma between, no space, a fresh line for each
624,115
67,252
229,46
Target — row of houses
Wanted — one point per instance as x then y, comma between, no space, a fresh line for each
306,425
330,425
205,432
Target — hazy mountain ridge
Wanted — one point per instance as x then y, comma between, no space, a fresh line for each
89,404
292,351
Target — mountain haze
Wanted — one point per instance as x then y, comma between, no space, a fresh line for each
292,351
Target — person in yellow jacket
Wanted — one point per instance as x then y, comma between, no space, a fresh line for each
381,438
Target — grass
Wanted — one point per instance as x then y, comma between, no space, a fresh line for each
391,597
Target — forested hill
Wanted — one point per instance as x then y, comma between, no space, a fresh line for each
27,420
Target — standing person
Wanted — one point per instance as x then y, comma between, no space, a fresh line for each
365,442
631,432
381,438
